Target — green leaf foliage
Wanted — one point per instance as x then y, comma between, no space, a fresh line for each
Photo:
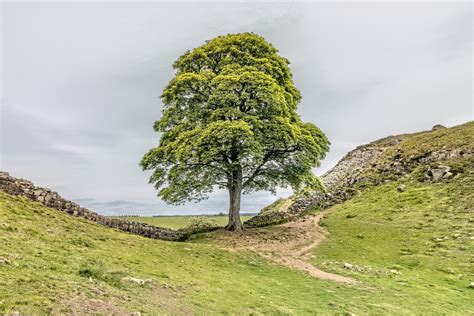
231,110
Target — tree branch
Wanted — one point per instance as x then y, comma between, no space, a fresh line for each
267,158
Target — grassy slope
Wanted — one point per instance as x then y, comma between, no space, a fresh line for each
426,233
176,222
51,256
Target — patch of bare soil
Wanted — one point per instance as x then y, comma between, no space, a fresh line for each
157,298
80,305
290,244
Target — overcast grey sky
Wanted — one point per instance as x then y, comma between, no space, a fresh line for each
81,82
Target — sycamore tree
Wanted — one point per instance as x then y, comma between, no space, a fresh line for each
229,121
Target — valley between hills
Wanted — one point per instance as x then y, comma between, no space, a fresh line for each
393,233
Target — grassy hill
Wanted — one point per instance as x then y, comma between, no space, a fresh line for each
411,252
417,244
421,236
55,263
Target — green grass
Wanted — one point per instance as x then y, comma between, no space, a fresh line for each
61,264
411,251
417,245
58,263
177,222
459,137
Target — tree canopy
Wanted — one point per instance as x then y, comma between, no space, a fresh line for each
229,120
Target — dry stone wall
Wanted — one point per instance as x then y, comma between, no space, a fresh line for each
49,198
337,181
351,169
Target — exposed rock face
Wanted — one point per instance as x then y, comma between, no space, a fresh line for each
52,199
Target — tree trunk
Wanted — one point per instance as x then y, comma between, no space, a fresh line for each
235,191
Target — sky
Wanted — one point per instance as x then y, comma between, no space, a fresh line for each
80,83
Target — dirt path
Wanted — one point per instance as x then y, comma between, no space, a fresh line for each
290,244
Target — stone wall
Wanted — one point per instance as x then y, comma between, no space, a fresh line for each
337,181
49,198
353,169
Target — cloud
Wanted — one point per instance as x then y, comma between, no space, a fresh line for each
79,99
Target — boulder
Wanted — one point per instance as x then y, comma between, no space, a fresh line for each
401,188
348,266
437,127
135,280
438,173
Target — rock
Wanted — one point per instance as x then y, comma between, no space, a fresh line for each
436,174
437,127
348,266
4,261
134,280
401,188
471,286
447,175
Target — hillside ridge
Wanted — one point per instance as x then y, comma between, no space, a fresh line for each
49,198
401,244
375,163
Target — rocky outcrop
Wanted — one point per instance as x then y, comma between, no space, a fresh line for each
49,198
